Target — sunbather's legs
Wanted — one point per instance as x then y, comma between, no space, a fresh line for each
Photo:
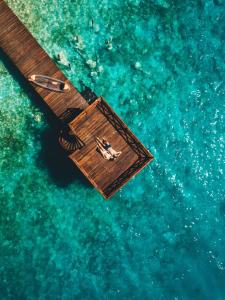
100,145
98,141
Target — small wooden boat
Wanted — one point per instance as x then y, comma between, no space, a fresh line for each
49,83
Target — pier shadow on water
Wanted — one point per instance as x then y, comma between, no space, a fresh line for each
61,169
28,89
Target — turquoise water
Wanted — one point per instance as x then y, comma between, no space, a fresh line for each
160,65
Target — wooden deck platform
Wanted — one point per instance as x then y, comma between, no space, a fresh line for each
99,120
95,120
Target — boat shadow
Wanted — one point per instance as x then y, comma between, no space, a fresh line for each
61,169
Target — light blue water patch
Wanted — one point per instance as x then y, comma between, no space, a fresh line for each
160,65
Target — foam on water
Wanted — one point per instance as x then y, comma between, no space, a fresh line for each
160,64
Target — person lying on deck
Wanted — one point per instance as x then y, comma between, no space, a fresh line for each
104,153
108,147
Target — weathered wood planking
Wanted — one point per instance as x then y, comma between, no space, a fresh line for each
29,57
96,120
99,120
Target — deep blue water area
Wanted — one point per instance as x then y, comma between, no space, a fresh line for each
161,66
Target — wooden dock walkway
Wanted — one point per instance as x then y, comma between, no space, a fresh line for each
29,57
95,120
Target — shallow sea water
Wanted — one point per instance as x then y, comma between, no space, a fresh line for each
160,65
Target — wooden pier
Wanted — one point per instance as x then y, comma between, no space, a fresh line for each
95,120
